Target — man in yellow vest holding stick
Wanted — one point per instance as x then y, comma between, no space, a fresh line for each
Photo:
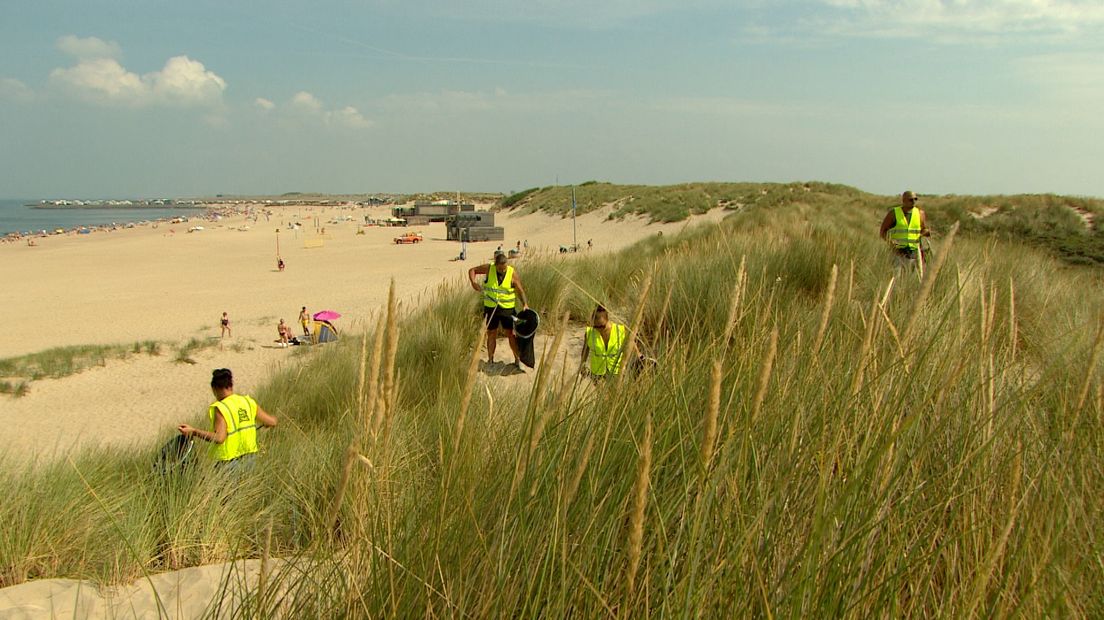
903,227
234,419
501,290
603,345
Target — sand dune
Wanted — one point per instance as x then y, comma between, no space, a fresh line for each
188,593
141,284
144,284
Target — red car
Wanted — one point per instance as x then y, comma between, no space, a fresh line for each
409,238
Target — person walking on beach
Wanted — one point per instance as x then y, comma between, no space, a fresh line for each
903,228
501,289
233,419
225,323
603,345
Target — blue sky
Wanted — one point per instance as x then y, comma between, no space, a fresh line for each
147,98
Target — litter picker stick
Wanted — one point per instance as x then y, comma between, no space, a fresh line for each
920,257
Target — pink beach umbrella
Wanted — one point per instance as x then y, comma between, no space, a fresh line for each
326,315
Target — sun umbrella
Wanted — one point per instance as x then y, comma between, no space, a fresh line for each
326,315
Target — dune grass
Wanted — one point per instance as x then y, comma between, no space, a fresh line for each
1066,226
58,362
186,350
819,439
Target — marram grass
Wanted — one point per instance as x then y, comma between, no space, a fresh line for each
821,437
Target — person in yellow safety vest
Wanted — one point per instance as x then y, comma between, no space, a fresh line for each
903,227
233,419
501,289
603,345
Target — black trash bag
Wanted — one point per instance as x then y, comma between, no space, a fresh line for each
175,456
525,330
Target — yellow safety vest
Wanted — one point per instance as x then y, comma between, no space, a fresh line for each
606,358
906,234
240,414
496,293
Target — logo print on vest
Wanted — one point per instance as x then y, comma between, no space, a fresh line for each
243,415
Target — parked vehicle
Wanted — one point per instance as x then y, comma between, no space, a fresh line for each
409,238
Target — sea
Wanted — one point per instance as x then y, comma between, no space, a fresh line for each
16,216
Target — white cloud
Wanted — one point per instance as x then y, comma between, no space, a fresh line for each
955,19
309,106
186,81
349,117
103,80
12,89
263,103
306,101
181,82
89,47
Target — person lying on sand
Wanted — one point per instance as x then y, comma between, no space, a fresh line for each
234,418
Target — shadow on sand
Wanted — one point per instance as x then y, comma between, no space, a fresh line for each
500,369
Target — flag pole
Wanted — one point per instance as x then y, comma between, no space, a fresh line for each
574,235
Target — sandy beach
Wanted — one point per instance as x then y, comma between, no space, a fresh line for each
169,285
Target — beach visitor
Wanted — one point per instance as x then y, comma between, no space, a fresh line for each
501,288
280,264
225,323
603,345
304,320
285,333
233,418
903,227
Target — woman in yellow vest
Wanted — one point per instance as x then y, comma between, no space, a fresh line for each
233,419
604,345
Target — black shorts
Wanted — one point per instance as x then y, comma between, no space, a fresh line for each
499,318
